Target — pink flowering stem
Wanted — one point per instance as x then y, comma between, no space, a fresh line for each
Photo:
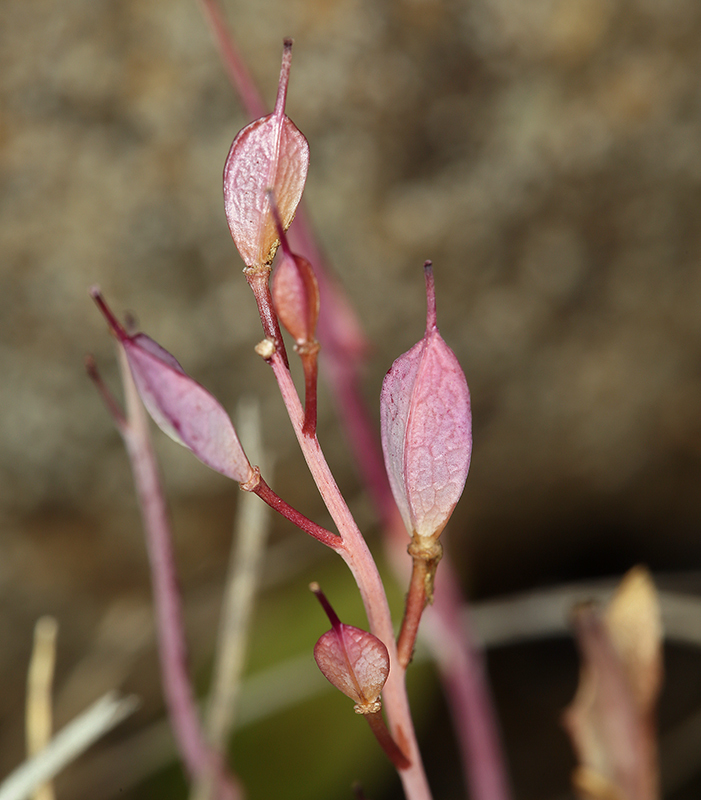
182,708
344,345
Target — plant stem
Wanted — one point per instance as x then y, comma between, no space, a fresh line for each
310,366
425,554
193,747
355,553
415,604
308,526
460,661
239,75
258,280
387,743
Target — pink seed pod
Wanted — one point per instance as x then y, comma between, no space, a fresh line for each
426,427
295,293
269,154
181,407
296,297
353,660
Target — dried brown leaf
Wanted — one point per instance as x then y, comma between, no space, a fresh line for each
611,719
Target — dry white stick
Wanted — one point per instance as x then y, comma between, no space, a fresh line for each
67,745
252,527
40,676
251,533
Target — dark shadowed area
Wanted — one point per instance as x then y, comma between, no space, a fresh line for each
545,155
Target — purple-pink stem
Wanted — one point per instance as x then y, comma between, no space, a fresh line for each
235,66
464,676
354,551
182,709
310,365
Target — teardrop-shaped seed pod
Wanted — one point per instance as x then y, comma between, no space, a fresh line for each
426,426
270,153
181,407
353,660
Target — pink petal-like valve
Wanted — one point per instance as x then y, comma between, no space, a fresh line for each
270,154
426,429
181,407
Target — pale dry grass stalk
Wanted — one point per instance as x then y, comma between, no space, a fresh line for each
40,676
67,745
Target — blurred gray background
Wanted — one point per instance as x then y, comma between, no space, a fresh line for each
545,154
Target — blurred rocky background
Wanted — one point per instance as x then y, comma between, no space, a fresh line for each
545,154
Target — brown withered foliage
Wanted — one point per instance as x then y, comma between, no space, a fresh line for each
611,720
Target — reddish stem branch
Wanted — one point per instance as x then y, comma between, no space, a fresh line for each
311,371
377,726
308,526
425,554
415,604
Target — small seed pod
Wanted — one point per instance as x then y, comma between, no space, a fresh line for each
295,293
296,297
353,660
269,154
